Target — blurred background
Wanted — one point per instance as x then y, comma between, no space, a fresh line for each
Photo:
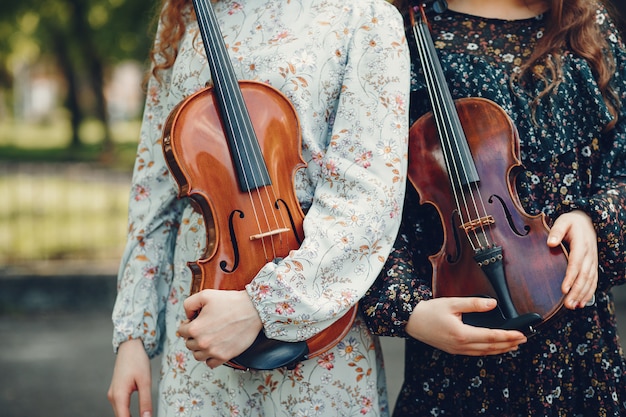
71,97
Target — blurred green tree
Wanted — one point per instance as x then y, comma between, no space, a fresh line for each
84,38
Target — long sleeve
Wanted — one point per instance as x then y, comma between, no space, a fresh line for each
607,203
402,284
145,272
357,200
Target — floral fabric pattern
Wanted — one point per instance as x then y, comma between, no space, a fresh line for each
345,67
576,366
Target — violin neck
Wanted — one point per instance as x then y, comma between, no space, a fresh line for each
242,141
454,144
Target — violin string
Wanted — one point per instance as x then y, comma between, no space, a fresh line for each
235,128
276,239
447,125
418,32
248,133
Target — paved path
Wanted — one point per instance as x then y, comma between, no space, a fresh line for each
58,363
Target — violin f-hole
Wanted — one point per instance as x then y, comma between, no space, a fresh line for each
509,217
282,202
454,257
233,239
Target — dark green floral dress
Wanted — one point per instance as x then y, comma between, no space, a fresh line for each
576,367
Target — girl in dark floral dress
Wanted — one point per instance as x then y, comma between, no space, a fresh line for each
558,69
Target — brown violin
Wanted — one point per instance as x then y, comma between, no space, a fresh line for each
233,149
463,159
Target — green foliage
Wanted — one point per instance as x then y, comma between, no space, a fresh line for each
48,142
115,29
82,40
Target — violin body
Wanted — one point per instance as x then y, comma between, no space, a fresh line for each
198,155
238,243
533,272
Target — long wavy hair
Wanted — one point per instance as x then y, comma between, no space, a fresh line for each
571,24
172,21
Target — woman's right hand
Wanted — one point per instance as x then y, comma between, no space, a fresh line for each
131,373
438,323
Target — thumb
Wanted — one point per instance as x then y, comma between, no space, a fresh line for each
556,234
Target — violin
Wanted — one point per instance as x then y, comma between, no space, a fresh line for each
233,149
463,160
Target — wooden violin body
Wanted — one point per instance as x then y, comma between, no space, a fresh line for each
533,271
198,155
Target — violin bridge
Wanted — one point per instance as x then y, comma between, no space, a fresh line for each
477,223
270,233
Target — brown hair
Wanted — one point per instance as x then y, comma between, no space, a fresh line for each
570,24
172,22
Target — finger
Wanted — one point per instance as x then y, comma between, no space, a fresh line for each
187,329
183,331
145,397
573,281
489,350
496,337
556,233
191,344
120,402
587,293
493,344
193,304
214,363
590,284
581,280
573,288
580,294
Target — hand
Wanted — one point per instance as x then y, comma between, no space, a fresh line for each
222,324
438,322
581,276
131,373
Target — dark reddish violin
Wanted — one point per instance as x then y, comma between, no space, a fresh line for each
463,159
234,149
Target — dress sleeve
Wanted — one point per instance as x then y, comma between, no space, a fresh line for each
406,277
607,204
145,271
355,213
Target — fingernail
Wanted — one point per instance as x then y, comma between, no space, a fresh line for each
147,414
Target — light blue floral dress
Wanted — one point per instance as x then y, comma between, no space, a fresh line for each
344,65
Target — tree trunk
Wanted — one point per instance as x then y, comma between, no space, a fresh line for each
95,72
70,75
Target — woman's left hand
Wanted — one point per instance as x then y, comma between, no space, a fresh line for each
581,277
222,324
